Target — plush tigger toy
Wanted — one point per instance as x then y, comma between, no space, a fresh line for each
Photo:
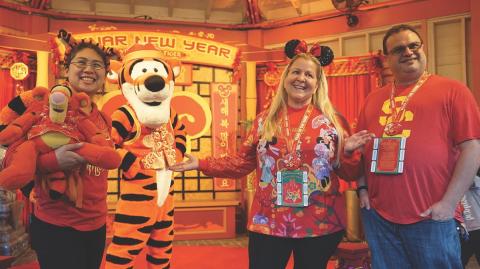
150,138
51,120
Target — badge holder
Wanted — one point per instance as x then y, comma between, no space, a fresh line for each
292,188
388,155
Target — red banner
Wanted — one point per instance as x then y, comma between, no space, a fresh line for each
224,100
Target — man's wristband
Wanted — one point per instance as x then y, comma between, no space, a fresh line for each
364,187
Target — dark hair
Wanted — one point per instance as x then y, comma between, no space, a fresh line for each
86,45
395,30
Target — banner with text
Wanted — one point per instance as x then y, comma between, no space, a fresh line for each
185,48
224,106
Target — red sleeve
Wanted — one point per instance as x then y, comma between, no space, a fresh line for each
351,167
465,116
47,163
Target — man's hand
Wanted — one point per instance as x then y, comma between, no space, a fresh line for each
440,211
364,200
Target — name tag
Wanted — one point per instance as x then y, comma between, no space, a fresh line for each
292,188
388,155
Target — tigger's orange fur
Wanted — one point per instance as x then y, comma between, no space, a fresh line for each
150,137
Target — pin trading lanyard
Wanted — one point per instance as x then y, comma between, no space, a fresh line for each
292,144
395,116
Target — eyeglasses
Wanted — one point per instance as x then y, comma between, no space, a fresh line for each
84,64
413,47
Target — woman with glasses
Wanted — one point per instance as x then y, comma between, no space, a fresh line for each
62,234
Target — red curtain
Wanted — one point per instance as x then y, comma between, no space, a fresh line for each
348,93
7,87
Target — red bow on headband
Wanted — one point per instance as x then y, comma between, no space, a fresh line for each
302,47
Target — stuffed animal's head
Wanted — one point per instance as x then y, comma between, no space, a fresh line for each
58,103
61,101
147,81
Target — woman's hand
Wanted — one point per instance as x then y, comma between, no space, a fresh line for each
67,159
190,164
356,141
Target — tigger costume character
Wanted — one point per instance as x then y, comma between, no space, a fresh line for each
53,119
150,138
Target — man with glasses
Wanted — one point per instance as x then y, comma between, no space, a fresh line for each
424,156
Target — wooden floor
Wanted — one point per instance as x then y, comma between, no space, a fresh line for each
239,241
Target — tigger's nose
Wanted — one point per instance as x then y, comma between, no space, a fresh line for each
155,83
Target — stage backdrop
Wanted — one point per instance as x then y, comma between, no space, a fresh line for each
207,66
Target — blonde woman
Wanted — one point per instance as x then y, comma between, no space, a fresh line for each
300,210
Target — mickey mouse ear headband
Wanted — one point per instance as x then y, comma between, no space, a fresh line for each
324,54
70,42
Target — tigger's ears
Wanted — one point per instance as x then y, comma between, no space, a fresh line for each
113,73
176,67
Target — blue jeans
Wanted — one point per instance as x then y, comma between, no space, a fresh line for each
427,244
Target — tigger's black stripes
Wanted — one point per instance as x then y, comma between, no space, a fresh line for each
125,241
117,260
150,187
159,244
181,146
138,176
136,197
127,161
156,261
120,129
17,105
122,218
162,224
146,229
135,251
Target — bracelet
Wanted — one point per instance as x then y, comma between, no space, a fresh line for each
364,187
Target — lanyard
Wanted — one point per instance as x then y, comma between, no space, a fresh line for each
292,143
394,126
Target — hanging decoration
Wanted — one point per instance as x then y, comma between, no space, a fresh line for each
236,68
271,78
19,71
55,59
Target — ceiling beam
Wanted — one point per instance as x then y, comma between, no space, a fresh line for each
132,7
297,4
171,4
208,9
93,6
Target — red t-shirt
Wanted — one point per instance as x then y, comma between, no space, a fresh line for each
439,116
326,212
93,214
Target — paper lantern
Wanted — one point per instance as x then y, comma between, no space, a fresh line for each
19,71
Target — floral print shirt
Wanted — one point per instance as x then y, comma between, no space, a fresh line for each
325,213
